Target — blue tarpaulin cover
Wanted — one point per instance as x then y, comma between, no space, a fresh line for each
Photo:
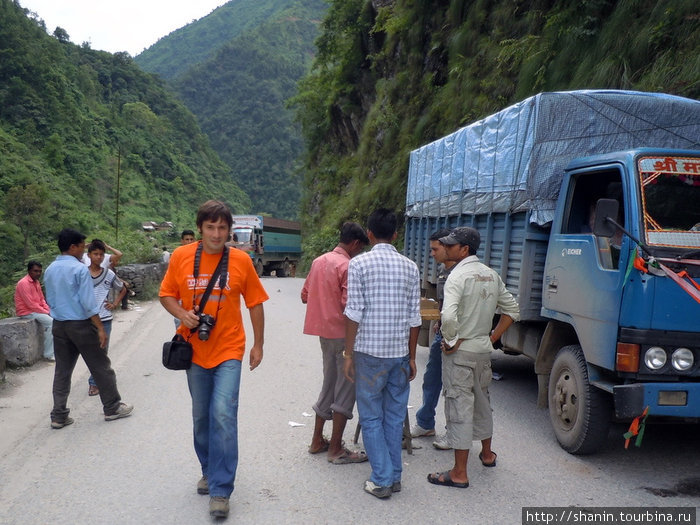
514,160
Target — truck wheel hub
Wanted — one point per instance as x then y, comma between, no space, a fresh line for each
566,399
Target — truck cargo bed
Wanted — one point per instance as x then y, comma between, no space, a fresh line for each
510,244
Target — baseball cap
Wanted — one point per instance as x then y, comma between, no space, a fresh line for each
464,236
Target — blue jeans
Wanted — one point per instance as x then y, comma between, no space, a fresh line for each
107,325
432,385
46,323
382,389
214,394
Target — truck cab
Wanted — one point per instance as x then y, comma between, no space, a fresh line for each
624,305
247,238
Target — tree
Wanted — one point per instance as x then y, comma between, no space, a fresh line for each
28,207
61,35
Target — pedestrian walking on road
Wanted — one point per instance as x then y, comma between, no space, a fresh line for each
382,326
78,331
325,293
219,344
473,293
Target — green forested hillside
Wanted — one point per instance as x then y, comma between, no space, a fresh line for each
391,75
235,70
70,119
239,98
198,41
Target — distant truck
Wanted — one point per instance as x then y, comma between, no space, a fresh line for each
590,211
273,244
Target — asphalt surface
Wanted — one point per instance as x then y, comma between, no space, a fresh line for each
142,469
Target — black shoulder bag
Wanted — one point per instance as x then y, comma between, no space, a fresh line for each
177,353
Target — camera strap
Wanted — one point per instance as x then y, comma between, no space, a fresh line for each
221,273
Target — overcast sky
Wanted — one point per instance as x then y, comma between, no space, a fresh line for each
119,25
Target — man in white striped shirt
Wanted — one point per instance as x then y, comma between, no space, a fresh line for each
383,321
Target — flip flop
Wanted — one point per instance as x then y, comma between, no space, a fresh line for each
323,448
446,480
492,464
348,457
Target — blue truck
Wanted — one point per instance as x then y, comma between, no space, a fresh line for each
273,244
588,204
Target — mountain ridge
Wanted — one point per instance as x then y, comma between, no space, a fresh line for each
197,41
239,93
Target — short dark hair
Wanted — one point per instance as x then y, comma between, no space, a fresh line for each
186,232
213,211
96,244
67,237
351,231
439,234
32,264
382,223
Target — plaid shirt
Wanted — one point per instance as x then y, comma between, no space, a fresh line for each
384,298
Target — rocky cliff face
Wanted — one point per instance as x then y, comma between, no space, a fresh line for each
393,75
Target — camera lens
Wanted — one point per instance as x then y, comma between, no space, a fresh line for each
205,324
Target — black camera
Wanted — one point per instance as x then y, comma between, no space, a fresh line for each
206,323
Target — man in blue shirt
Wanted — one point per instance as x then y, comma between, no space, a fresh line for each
382,324
77,330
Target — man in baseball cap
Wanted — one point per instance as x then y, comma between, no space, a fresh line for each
473,294
464,236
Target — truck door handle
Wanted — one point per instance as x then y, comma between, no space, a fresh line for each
552,287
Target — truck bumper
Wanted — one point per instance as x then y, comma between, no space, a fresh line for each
663,399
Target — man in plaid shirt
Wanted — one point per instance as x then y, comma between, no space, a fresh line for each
383,321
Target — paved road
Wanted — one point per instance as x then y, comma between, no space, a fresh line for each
143,469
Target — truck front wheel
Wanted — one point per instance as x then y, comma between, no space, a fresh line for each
285,269
580,413
259,267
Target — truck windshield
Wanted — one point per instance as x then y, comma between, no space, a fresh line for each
671,200
243,235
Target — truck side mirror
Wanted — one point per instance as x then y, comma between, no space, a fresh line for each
605,209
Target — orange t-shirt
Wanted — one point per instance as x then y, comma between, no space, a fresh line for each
227,337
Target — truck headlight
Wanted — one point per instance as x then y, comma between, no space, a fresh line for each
682,359
655,358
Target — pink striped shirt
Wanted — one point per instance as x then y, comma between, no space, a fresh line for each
325,292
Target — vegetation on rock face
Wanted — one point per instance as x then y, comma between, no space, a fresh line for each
392,75
71,120
235,69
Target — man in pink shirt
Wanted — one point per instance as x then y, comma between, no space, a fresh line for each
30,304
325,295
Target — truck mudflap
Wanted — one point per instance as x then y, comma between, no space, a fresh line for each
663,399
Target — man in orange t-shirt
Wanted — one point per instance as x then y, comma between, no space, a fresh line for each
215,374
